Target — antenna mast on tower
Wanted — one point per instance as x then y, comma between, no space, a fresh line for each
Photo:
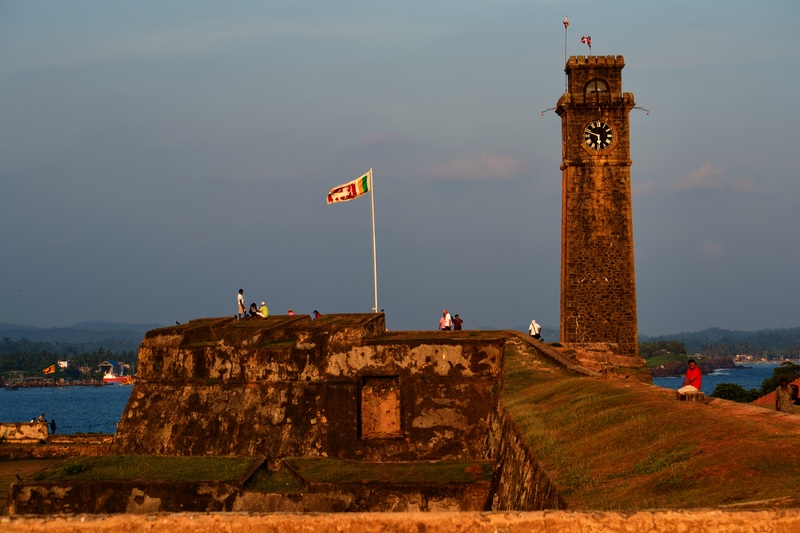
566,25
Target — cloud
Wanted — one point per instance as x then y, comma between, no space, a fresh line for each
705,178
711,178
383,138
643,188
99,47
712,250
745,185
486,167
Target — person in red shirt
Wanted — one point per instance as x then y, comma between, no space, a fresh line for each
693,381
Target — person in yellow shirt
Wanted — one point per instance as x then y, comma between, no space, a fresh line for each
264,311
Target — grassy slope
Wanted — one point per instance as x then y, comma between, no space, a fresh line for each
324,470
114,467
613,444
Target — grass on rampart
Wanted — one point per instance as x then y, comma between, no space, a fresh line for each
321,470
122,467
616,444
326,470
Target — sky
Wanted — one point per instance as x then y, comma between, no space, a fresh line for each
156,157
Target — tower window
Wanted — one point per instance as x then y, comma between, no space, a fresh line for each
596,86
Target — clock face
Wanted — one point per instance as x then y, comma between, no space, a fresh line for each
598,135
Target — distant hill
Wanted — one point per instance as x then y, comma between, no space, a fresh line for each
719,342
724,342
86,335
711,341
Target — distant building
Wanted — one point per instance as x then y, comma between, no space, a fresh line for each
113,371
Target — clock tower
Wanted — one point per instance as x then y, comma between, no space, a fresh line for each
598,282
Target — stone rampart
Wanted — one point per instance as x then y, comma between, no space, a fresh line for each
519,482
130,496
338,386
23,432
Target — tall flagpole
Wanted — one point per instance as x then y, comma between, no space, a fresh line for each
374,252
566,25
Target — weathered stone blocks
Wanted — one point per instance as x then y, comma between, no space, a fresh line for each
289,386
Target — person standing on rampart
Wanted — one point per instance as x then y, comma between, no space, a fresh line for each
446,321
242,312
535,330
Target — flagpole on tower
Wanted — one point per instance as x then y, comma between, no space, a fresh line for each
566,25
374,251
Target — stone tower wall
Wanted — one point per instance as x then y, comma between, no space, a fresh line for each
598,282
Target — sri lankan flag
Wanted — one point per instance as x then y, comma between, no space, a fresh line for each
352,190
50,369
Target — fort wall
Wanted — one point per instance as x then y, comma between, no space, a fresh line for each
23,432
338,386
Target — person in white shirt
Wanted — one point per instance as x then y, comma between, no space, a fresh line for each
535,329
445,322
240,302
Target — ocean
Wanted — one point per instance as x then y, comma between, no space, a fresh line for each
749,377
98,409
77,409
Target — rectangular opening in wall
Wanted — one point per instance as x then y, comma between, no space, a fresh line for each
379,413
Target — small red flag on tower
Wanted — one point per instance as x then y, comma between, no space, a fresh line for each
587,39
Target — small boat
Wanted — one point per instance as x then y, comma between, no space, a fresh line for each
113,372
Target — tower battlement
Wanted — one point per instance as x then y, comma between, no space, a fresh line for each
576,61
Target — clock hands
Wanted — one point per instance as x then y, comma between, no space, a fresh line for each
597,135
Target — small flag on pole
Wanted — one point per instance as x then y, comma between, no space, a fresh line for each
566,22
50,369
587,39
352,190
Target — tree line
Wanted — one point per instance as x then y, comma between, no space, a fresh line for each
32,358
717,342
733,391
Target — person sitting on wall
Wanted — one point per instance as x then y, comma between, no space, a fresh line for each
783,397
693,381
253,310
264,311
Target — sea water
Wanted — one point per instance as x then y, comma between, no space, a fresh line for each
749,377
76,409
